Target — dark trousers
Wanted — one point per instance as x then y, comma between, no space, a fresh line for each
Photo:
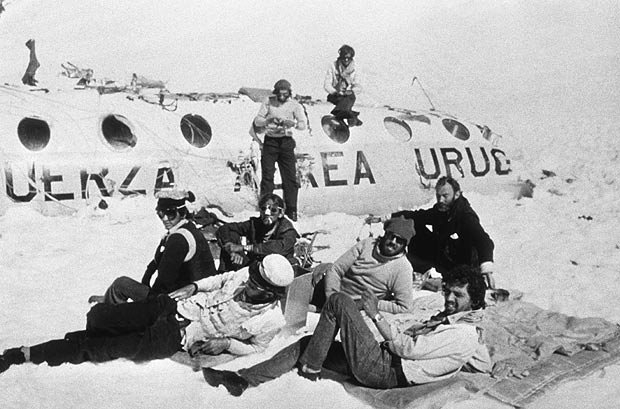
282,152
358,355
139,331
344,106
124,288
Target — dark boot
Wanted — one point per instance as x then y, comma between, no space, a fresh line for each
12,356
234,383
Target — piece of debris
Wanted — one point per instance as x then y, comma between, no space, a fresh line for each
33,65
526,189
584,217
548,174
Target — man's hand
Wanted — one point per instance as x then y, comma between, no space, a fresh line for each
210,346
183,292
288,123
370,302
372,219
489,280
233,247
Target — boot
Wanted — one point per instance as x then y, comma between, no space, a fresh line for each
234,384
12,356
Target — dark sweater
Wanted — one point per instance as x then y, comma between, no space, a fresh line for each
456,238
172,271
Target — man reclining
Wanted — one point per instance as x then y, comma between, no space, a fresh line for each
236,312
436,350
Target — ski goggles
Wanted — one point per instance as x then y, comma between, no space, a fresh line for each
169,213
273,208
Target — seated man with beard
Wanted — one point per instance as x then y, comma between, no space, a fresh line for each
376,263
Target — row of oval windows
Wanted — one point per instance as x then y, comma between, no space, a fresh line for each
34,133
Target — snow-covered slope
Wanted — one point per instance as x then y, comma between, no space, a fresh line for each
543,74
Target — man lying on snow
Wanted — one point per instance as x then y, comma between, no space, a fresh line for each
270,233
378,264
182,256
236,312
425,353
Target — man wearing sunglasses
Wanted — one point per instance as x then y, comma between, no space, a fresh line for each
236,313
378,264
278,116
270,233
341,83
182,256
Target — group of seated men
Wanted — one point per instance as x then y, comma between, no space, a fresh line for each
189,305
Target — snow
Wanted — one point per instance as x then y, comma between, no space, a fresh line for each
542,74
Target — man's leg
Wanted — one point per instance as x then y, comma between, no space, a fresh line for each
288,172
268,164
370,364
124,288
237,382
116,319
134,333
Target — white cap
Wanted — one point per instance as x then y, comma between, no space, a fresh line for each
276,270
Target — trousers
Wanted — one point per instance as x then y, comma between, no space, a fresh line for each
138,331
282,152
359,355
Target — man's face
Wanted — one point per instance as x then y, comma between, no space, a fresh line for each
169,217
270,212
257,291
445,197
391,244
456,299
283,94
346,59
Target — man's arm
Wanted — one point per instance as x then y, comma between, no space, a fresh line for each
261,119
300,117
170,263
401,289
283,243
479,238
457,341
328,82
334,275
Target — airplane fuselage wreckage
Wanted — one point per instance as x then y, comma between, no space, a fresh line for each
64,149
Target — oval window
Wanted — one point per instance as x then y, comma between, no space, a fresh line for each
398,128
33,133
336,130
456,129
117,131
196,130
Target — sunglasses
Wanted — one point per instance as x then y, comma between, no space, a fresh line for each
274,208
169,213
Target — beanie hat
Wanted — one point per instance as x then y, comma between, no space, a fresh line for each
282,85
173,198
346,49
401,227
276,270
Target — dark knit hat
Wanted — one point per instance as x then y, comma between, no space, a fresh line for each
282,85
173,198
401,227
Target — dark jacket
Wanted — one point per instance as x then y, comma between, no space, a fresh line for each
282,240
173,272
456,237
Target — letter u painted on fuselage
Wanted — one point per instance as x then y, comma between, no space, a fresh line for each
430,165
